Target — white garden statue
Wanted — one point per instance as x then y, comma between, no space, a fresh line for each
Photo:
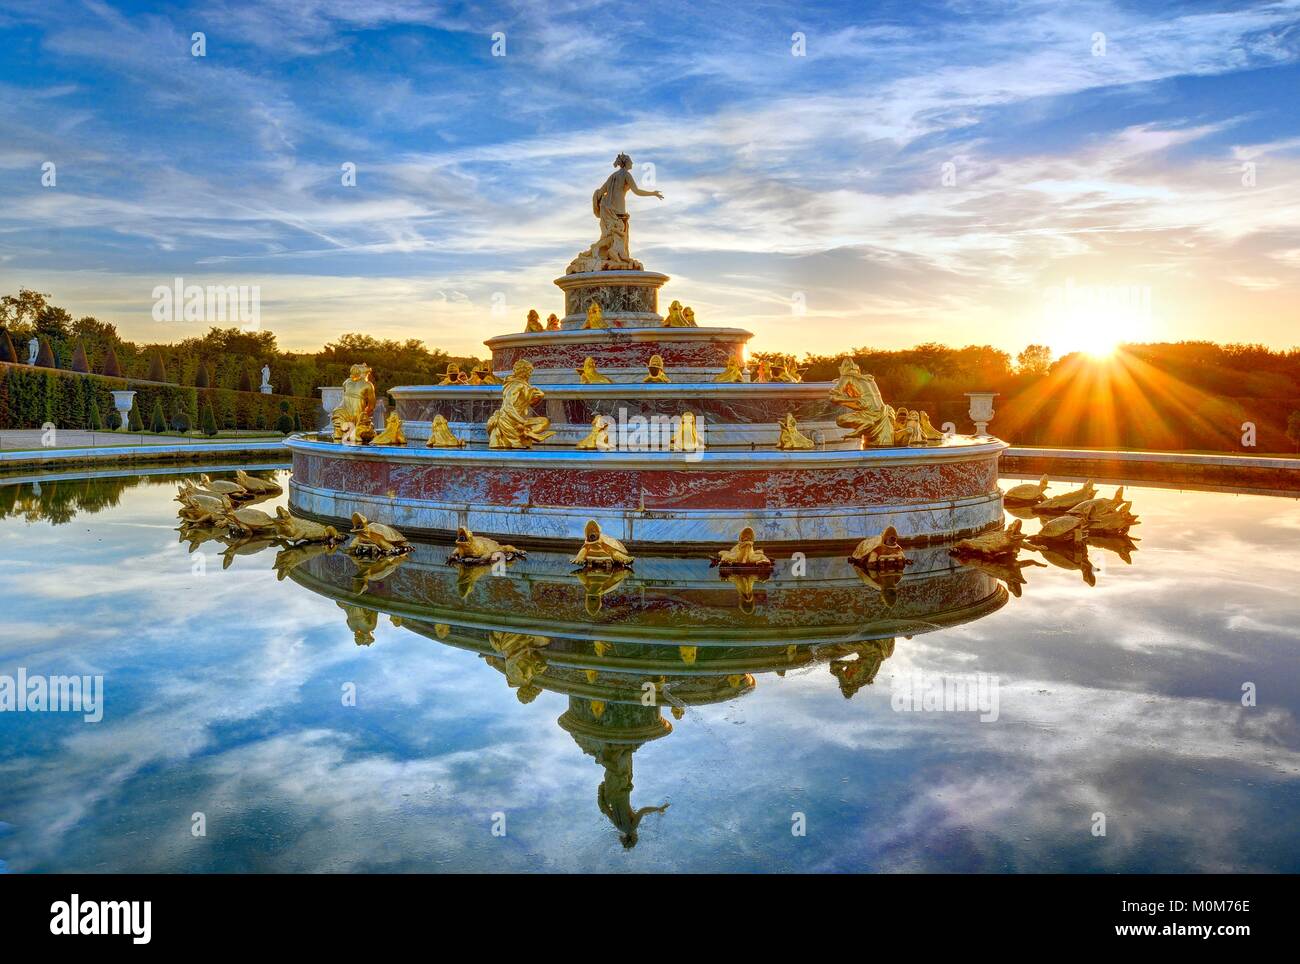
265,387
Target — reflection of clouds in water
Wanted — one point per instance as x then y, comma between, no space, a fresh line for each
223,695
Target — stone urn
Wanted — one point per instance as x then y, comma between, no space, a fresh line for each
122,401
981,410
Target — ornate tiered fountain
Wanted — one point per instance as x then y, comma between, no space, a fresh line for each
649,424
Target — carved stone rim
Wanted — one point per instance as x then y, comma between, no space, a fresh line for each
974,449
756,390
614,336
584,279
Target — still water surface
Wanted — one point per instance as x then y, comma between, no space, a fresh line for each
513,704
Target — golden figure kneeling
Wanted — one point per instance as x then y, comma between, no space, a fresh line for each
513,426
552,322
688,313
868,417
352,420
587,374
534,321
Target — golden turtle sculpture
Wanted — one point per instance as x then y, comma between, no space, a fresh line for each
291,528
255,485
1067,500
1107,515
990,545
1063,528
375,538
601,551
475,550
249,522
1028,493
744,555
880,552
232,490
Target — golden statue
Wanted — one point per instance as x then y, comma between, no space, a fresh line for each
352,420
291,528
1028,493
552,322
440,436
362,622
232,490
472,550
688,313
375,538
928,432
587,374
600,550
595,317
598,437
791,438
512,426
452,375
997,542
761,372
534,321
474,377
880,552
523,660
675,318
743,555
734,372
655,370
392,433
868,416
686,436
486,376
614,796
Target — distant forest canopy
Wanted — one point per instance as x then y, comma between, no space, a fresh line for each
233,357
1182,395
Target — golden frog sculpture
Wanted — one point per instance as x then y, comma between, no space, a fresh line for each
734,372
598,438
392,433
587,374
791,439
655,370
743,555
440,435
595,317
880,552
686,436
534,323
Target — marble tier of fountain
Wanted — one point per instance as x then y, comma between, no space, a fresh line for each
640,492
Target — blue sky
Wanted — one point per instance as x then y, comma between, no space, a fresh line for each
813,183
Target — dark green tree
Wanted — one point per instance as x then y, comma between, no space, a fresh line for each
180,418
284,424
209,420
158,421
93,418
157,370
79,362
245,385
7,353
201,379
134,423
45,356
112,368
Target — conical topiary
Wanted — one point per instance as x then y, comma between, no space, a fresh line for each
201,379
209,420
79,362
7,353
134,422
157,370
45,356
158,421
245,385
112,368
93,418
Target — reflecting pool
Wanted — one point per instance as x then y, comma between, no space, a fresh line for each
274,709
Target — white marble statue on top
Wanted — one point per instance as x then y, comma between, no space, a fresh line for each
265,387
612,252
33,347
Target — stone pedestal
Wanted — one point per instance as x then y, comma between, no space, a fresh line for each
628,299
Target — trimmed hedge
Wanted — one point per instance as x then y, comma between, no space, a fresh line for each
31,396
